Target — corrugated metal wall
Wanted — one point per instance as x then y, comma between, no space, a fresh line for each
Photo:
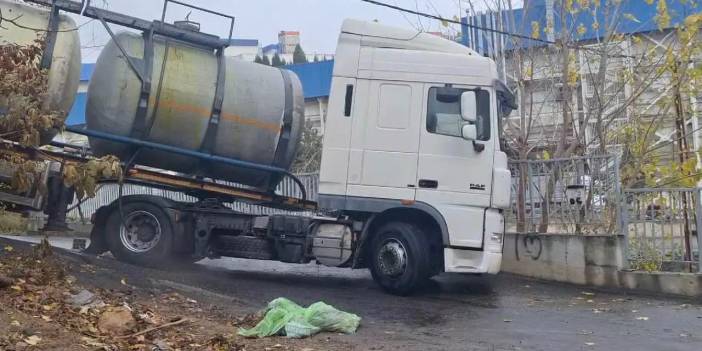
109,192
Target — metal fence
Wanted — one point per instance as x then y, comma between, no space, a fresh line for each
660,226
110,192
578,195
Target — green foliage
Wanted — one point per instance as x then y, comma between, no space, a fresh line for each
662,15
84,176
266,61
299,55
277,61
309,152
11,222
646,256
258,59
23,91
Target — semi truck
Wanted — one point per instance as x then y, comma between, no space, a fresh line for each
413,181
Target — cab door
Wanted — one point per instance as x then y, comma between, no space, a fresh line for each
454,175
385,141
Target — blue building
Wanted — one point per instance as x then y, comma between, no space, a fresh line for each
640,49
635,16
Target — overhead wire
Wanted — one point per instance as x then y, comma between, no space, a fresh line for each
449,20
486,29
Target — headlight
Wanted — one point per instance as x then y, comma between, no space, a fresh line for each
496,238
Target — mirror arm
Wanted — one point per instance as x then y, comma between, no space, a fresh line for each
478,147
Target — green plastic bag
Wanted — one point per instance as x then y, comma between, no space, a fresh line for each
284,317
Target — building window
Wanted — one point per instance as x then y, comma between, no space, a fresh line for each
444,112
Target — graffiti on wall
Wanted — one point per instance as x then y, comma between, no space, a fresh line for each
528,246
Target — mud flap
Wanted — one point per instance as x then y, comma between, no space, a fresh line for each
98,244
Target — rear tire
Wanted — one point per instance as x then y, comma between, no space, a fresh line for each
400,258
149,239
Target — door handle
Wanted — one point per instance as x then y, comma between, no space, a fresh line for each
428,183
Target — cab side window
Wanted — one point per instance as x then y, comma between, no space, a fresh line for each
444,112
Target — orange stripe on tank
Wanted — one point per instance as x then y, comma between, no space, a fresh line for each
205,113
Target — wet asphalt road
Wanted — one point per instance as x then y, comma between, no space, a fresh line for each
455,312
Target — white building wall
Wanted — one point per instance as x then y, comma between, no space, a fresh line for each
246,53
316,112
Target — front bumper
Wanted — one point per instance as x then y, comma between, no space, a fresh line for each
471,261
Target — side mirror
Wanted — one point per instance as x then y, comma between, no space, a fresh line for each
469,132
469,109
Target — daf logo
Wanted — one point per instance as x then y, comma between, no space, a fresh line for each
477,186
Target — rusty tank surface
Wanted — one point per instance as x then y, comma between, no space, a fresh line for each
261,119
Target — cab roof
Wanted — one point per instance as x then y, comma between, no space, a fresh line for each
382,36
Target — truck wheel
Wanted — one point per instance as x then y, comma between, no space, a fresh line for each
400,257
147,239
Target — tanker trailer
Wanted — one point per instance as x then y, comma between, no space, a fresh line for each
30,23
260,119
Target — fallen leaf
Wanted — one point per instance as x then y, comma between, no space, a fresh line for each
586,293
15,323
5,282
642,318
46,318
123,281
590,344
32,340
116,321
93,342
9,248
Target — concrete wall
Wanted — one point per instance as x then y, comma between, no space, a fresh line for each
594,260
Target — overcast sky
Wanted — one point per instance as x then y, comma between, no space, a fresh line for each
317,20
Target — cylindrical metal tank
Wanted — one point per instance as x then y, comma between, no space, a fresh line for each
64,72
257,102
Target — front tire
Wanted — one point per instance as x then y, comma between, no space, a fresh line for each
147,239
400,257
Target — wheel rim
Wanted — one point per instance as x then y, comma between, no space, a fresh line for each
140,231
392,258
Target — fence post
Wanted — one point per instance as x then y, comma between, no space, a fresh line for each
622,212
698,227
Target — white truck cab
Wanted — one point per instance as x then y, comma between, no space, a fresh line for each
412,136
